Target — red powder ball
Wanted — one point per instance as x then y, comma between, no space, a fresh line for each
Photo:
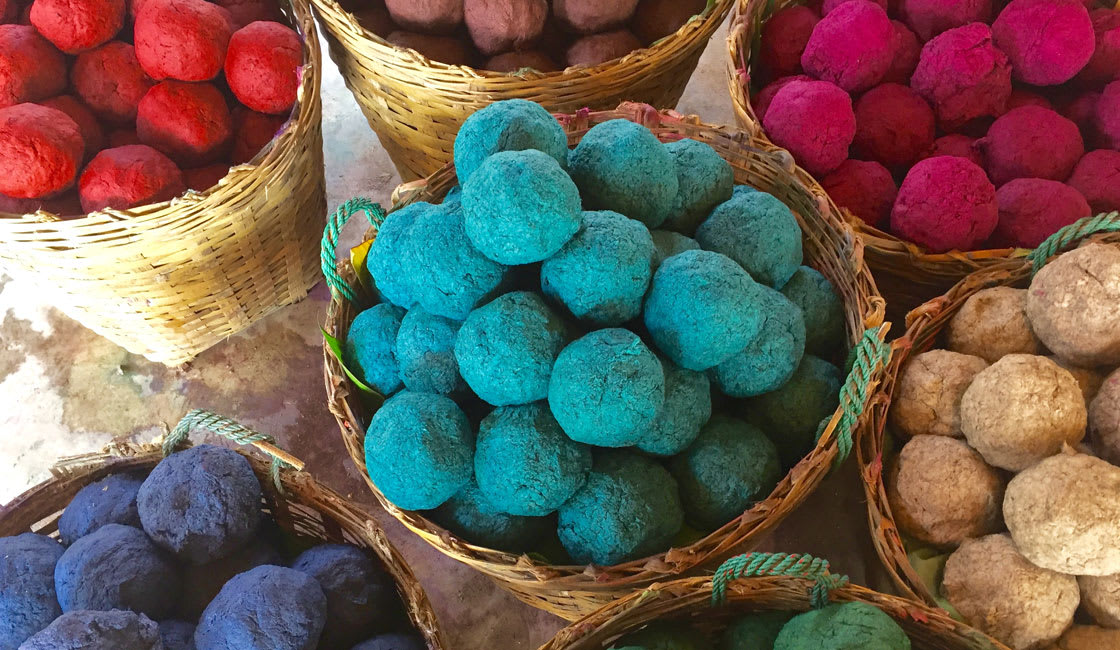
656,19
814,120
864,187
1107,120
188,122
1047,41
928,18
1031,142
262,66
600,48
9,11
1032,209
1082,110
30,67
92,133
252,131
201,179
250,11
945,203
907,49
1097,177
828,5
444,49
40,151
852,46
78,25
514,61
783,40
766,95
182,39
1104,65
109,80
63,205
963,76
957,144
894,125
121,137
128,176
1020,97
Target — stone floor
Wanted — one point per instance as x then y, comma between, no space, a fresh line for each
64,391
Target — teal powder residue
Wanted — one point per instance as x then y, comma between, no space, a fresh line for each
510,125
754,631
843,626
759,232
506,348
704,180
524,463
621,166
419,450
822,310
520,207
606,388
791,414
729,467
667,243
388,255
628,508
702,308
602,274
425,353
688,405
665,636
368,348
771,358
469,515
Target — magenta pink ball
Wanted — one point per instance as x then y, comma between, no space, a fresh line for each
907,49
894,125
1104,65
852,46
1031,142
783,40
945,203
1107,120
814,120
828,5
762,100
864,187
957,144
963,76
928,18
1020,97
1047,41
1082,110
1032,209
1097,177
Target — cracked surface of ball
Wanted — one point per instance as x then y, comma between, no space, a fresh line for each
963,75
75,26
1046,41
369,348
687,407
704,180
110,81
667,243
95,630
1097,177
928,18
361,596
851,46
1104,417
30,68
992,324
92,134
112,500
759,232
894,125
262,66
772,357
945,203
927,400
784,37
1031,142
41,150
865,187
27,595
510,125
469,515
840,626
266,608
202,582
425,353
821,309
181,39
129,176
814,120
792,414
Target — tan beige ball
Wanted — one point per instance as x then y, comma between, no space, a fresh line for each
1100,596
1088,637
1088,379
1104,419
927,400
993,323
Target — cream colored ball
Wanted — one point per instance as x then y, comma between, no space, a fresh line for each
927,400
993,323
1100,595
1089,380
1104,419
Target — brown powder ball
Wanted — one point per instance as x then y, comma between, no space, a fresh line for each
427,16
1022,409
514,61
591,16
1002,594
1104,419
1088,379
993,323
656,19
375,18
1074,305
1064,514
1088,637
942,492
599,48
1100,596
444,49
30,68
928,398
501,25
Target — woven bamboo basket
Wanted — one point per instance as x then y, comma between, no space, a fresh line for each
761,582
923,328
171,279
574,591
299,505
416,105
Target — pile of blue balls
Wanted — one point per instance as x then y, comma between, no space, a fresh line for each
185,559
611,345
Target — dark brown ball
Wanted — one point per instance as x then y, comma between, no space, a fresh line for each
592,16
502,25
427,16
656,19
445,49
597,48
514,61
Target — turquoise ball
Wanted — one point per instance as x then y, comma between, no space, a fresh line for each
704,181
754,631
770,359
369,347
793,413
667,243
759,232
469,515
425,353
390,253
843,626
688,405
510,125
822,310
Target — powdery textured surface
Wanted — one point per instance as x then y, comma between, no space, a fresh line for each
843,625
189,122
92,134
181,39
928,18
894,126
27,595
1100,596
425,353
434,16
1032,209
202,582
772,357
761,101
369,347
40,151
389,253
1047,41
959,145
600,48
907,51
1104,418
688,405
112,500
991,324
1097,177
814,120
1031,142
865,187
821,310
667,243
1104,65
262,66
110,80
501,25
851,46
89,630
78,25
704,180
470,516
963,75
792,414
510,125
591,16
759,232
783,39
125,177
266,608
361,596
945,203
927,400
30,68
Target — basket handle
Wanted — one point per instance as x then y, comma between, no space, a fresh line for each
1072,234
794,565
374,212
866,358
227,428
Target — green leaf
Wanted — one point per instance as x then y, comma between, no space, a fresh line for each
358,256
336,349
929,562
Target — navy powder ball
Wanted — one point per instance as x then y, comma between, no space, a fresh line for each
702,308
770,359
425,353
368,348
266,608
389,255
792,414
524,463
393,641
602,274
112,500
176,635
621,166
419,449
667,243
688,405
507,347
759,232
96,630
201,503
511,125
469,515
520,207
607,388
627,509
705,180
361,597
821,308
202,582
27,597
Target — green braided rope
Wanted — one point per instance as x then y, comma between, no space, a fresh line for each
1076,231
868,355
778,564
329,261
222,426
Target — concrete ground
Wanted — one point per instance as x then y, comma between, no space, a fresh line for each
64,391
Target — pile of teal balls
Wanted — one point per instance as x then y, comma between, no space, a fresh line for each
583,351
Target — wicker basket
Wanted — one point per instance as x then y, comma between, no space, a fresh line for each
169,280
923,327
299,505
416,105
574,591
754,583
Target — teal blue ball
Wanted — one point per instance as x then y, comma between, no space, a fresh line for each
390,254
470,516
704,181
759,232
822,310
792,414
771,358
425,353
510,125
754,631
368,350
665,636
688,406
843,626
667,243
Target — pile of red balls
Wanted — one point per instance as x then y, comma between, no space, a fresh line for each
135,101
955,124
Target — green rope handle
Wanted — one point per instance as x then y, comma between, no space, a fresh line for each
778,564
1076,231
329,261
222,426
868,355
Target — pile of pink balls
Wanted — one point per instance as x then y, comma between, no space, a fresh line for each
954,124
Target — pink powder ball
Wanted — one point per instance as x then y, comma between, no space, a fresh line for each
201,179
864,187
957,144
766,95
783,40
188,122
894,125
1097,177
109,80
30,67
1107,120
126,177
928,18
262,66
963,76
252,131
1047,41
593,16
92,133
814,120
40,150
828,5
907,49
1031,142
1032,209
852,47
1104,65
945,203
1082,110
182,39
1020,97
78,25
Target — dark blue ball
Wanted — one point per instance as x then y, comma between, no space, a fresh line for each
202,582
176,635
27,597
368,348
266,608
98,630
112,500
361,596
